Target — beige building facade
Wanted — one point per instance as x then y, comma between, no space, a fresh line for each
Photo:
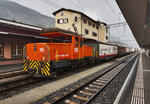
82,24
103,34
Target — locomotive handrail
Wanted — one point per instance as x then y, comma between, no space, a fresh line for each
24,52
48,52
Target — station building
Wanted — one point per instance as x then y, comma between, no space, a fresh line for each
13,37
82,24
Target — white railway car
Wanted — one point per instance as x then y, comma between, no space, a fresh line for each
107,51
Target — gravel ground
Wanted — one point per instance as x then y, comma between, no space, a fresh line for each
59,93
109,94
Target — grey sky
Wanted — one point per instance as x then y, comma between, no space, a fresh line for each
97,9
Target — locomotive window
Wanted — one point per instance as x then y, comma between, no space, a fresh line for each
1,49
76,42
81,42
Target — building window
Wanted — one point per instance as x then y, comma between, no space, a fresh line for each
1,49
89,23
60,21
106,30
16,49
86,31
66,20
69,29
93,25
62,13
75,19
96,27
84,20
106,37
94,34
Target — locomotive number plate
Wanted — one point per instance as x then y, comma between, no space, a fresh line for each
75,49
41,49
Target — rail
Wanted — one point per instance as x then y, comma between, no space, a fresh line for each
95,85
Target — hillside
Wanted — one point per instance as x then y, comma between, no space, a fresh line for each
13,11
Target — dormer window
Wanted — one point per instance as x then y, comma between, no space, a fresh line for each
62,14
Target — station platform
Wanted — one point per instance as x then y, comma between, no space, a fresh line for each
11,67
139,89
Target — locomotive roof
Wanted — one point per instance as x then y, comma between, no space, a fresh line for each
54,32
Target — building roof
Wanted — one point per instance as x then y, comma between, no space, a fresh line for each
70,10
9,27
9,22
22,35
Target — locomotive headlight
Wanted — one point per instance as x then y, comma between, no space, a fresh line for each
27,57
43,58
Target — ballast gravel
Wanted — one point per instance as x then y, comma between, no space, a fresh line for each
110,92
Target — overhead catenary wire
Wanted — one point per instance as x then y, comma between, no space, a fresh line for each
52,4
116,25
111,9
89,8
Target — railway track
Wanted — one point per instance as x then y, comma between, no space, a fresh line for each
11,74
14,79
86,92
16,84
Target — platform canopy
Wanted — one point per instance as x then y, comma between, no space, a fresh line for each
137,14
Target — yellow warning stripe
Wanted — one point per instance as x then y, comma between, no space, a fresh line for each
48,64
42,72
32,63
46,70
25,64
47,67
25,68
36,64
